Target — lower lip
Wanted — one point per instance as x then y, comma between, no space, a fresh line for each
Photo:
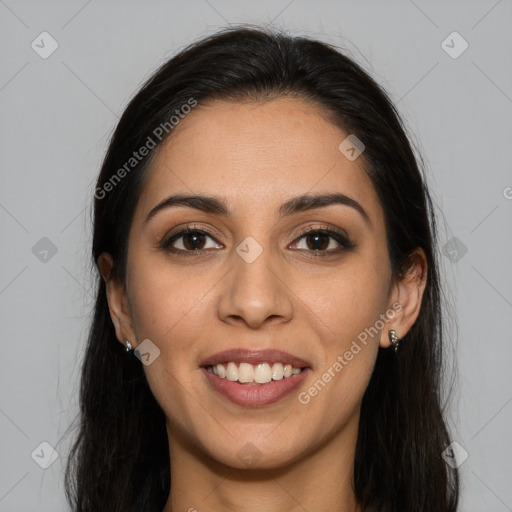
258,394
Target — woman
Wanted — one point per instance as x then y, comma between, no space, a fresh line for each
267,332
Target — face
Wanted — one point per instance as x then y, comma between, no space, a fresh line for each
258,276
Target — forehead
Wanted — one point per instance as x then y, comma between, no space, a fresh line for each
257,155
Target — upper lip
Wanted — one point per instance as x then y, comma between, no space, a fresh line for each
239,355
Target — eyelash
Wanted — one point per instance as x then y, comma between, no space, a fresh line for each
339,237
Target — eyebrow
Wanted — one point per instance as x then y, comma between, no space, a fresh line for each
218,205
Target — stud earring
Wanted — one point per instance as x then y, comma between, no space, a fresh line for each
394,339
129,346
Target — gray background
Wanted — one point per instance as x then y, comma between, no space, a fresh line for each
57,115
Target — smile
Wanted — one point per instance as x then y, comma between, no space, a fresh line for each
253,394
248,373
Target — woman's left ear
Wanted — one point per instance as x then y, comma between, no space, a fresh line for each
408,293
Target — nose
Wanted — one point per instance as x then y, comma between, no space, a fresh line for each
255,293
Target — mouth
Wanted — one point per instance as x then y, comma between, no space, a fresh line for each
246,373
254,378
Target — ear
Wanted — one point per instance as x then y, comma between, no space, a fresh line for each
117,302
408,293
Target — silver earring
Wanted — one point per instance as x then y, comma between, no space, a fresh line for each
394,339
129,347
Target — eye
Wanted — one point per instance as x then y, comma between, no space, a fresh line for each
323,241
190,240
320,242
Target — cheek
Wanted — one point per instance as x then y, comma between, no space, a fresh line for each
347,300
345,308
170,307
165,299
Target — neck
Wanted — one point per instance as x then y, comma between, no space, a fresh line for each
322,480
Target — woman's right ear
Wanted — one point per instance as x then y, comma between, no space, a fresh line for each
117,300
105,264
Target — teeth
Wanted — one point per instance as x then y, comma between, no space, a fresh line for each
262,373
232,372
246,373
277,371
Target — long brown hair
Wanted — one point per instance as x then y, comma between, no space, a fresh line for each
120,459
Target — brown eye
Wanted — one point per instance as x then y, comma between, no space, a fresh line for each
323,241
190,240
317,241
194,240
